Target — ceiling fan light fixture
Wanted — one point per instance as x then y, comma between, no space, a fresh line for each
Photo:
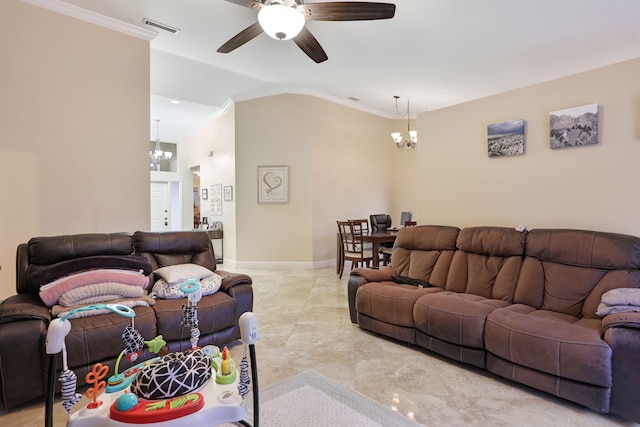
281,22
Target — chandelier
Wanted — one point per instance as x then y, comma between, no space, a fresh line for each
157,154
410,139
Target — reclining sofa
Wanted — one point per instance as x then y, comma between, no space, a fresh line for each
522,305
98,338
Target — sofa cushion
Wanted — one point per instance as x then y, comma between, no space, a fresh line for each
425,252
390,302
492,241
555,343
585,248
98,338
568,271
455,318
215,313
45,251
487,262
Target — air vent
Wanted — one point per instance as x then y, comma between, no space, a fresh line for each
160,26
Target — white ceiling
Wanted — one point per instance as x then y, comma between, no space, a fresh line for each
437,53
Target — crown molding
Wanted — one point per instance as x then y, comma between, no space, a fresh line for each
94,18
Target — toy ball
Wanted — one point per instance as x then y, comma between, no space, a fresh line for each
126,401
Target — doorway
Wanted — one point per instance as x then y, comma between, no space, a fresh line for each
166,206
195,170
160,213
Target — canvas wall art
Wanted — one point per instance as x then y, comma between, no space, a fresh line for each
574,127
506,138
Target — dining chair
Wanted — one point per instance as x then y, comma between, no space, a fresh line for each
362,224
353,248
380,222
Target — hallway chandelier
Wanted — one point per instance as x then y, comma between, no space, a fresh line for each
157,154
410,139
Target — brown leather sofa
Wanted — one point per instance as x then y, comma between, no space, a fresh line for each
521,305
24,317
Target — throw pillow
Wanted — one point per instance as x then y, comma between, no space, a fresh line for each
178,273
162,289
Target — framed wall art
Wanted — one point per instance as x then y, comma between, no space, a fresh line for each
228,193
574,127
216,199
273,184
506,138
205,194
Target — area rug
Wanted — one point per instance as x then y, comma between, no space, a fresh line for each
313,400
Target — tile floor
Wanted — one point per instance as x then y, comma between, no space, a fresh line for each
304,324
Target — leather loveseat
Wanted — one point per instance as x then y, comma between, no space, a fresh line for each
522,305
24,317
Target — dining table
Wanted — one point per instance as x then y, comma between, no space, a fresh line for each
375,237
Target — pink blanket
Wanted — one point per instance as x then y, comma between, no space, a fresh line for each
50,293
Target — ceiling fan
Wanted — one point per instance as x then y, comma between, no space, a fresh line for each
284,20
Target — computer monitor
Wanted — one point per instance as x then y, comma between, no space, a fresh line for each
404,217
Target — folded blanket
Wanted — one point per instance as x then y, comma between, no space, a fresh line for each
604,309
61,311
622,296
100,292
50,293
41,275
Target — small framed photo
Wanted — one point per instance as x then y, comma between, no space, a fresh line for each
205,194
273,184
228,193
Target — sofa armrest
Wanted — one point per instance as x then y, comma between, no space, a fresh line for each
229,280
374,274
359,277
622,332
240,287
621,320
24,307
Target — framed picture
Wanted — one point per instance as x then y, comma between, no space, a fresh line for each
205,194
574,127
273,184
506,138
228,193
216,199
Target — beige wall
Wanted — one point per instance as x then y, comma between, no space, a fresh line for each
274,131
217,136
339,168
406,190
592,187
74,130
352,171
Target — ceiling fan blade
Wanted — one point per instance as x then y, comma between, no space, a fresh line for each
248,3
241,38
309,45
347,11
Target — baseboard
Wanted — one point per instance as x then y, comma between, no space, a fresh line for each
279,265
